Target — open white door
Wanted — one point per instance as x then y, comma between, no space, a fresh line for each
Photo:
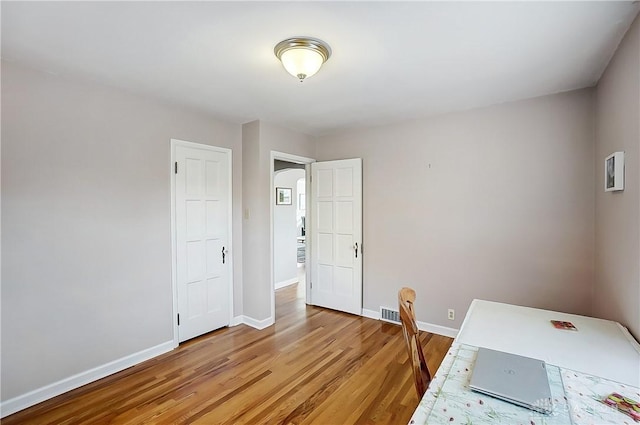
336,235
202,199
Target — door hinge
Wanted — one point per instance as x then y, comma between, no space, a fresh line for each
311,285
176,167
178,319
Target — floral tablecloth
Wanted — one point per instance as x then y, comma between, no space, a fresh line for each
576,398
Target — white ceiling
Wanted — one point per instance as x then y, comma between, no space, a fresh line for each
391,61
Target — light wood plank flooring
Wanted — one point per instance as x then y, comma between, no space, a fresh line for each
315,366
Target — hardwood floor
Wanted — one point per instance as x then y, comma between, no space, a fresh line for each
315,366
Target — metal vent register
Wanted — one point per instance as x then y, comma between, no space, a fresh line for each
389,315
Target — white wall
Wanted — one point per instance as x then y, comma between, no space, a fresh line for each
285,230
617,283
86,242
259,139
255,221
494,203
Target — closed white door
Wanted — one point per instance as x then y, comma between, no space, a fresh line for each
336,235
202,196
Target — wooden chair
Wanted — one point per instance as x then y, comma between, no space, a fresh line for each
421,374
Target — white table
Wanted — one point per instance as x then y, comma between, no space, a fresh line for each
599,347
600,357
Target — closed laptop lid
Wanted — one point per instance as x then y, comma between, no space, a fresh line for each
516,379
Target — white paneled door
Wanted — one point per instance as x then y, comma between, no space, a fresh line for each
202,197
336,254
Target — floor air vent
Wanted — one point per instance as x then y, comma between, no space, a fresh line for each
388,315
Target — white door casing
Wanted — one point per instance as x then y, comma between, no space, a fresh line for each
202,237
336,254
298,160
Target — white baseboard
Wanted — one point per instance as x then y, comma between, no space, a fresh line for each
423,326
52,390
250,321
258,324
237,320
285,283
437,329
371,314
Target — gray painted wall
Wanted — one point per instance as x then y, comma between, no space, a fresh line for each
495,203
254,237
259,140
617,282
285,229
86,242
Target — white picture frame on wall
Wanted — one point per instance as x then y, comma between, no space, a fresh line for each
283,196
614,172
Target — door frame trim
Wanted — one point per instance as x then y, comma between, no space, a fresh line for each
174,277
272,200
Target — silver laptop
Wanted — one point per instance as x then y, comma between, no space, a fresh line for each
509,377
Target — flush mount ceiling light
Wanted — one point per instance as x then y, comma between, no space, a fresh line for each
302,57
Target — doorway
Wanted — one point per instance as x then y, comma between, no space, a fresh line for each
289,221
289,216
333,232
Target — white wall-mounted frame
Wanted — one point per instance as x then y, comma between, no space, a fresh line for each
614,172
174,277
283,196
298,160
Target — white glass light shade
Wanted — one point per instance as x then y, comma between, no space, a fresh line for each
301,62
302,57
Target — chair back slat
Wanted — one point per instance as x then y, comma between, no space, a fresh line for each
421,374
